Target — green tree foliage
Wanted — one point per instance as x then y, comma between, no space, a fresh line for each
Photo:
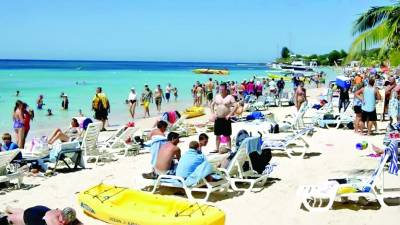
333,57
377,27
285,53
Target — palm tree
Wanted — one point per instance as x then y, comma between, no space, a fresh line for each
378,27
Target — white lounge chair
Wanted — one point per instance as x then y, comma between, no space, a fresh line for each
285,98
117,143
235,172
5,159
260,104
343,118
284,144
203,186
321,197
297,121
89,144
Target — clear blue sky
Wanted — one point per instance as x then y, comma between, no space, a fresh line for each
175,30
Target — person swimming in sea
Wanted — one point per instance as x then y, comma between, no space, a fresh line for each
17,93
49,112
80,113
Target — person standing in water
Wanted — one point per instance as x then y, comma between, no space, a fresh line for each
223,106
101,107
209,91
147,97
65,102
175,91
40,102
132,99
168,90
199,94
17,93
158,97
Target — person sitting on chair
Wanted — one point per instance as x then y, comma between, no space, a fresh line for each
70,134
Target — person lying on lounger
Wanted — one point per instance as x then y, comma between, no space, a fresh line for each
40,215
70,134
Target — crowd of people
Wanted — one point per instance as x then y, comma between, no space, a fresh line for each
157,96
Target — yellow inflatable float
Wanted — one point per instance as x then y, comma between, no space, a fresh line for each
194,111
211,71
123,206
278,77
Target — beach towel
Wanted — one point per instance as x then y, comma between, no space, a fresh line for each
155,144
193,166
172,117
164,116
252,144
255,115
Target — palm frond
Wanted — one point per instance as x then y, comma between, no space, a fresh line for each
370,38
372,18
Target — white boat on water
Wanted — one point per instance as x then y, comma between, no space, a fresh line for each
295,66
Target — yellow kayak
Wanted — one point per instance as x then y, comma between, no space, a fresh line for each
194,111
278,77
211,71
123,206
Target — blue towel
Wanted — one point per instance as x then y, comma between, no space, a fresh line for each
155,144
392,149
193,166
252,144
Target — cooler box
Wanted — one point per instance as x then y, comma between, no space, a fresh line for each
343,82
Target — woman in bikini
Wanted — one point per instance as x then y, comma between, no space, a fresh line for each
132,99
300,95
18,123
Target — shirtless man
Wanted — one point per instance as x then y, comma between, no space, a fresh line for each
161,128
158,96
223,106
388,92
167,153
209,91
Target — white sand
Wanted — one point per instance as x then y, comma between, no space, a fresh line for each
333,155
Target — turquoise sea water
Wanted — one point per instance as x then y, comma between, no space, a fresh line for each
116,83
49,78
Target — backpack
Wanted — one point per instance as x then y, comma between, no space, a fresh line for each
274,129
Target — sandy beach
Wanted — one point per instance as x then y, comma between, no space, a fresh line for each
331,154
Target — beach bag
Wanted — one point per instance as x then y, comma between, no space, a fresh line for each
39,144
39,148
259,161
328,117
274,129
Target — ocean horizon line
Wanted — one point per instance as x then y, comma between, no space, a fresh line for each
129,61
